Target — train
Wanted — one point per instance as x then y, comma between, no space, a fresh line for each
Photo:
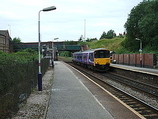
95,59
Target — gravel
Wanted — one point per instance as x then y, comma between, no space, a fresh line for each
37,103
149,100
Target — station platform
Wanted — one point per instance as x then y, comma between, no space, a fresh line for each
137,69
70,99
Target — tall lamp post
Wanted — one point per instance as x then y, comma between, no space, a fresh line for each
53,48
52,59
140,50
39,47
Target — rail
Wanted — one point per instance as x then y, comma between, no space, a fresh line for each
109,82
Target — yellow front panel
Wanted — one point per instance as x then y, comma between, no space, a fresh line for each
101,61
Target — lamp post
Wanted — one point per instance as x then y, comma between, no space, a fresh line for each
53,49
9,29
39,47
140,50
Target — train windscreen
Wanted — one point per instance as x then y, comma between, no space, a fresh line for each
102,54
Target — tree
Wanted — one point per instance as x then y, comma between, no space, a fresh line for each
91,39
15,43
81,38
142,23
70,42
16,40
103,35
109,35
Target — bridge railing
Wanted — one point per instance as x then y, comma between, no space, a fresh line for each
69,47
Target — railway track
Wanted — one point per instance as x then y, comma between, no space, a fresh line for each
108,81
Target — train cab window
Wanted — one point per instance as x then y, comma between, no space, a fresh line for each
102,54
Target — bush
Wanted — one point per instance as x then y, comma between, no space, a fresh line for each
18,77
122,50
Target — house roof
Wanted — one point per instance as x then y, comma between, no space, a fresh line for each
5,33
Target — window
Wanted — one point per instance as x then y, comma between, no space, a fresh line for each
102,54
91,57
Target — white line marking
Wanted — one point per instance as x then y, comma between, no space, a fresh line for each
93,95
135,112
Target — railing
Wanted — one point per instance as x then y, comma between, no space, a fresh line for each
69,47
16,84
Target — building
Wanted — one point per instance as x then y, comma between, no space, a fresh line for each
5,41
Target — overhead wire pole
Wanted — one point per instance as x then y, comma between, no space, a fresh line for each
39,47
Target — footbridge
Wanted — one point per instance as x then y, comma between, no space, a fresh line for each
46,46
72,48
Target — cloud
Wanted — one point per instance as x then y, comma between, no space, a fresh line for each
67,21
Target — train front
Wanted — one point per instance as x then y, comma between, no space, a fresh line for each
102,59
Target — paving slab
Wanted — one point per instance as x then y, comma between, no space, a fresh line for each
70,99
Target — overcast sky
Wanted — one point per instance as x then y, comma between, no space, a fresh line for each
20,18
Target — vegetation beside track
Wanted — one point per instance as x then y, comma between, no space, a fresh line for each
18,78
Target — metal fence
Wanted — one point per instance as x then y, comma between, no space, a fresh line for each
16,84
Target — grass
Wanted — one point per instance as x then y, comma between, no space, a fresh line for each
110,44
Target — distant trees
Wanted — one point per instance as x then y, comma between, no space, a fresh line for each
81,38
142,23
91,39
16,40
15,43
70,42
110,34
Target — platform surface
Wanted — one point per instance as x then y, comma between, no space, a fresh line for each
70,99
138,69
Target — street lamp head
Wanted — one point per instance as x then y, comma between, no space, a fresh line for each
137,39
56,38
49,8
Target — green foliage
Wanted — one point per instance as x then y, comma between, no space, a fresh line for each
14,65
109,35
1,52
103,35
65,54
91,39
16,40
117,45
70,43
111,44
15,43
18,57
122,50
17,77
29,50
81,38
83,43
142,23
